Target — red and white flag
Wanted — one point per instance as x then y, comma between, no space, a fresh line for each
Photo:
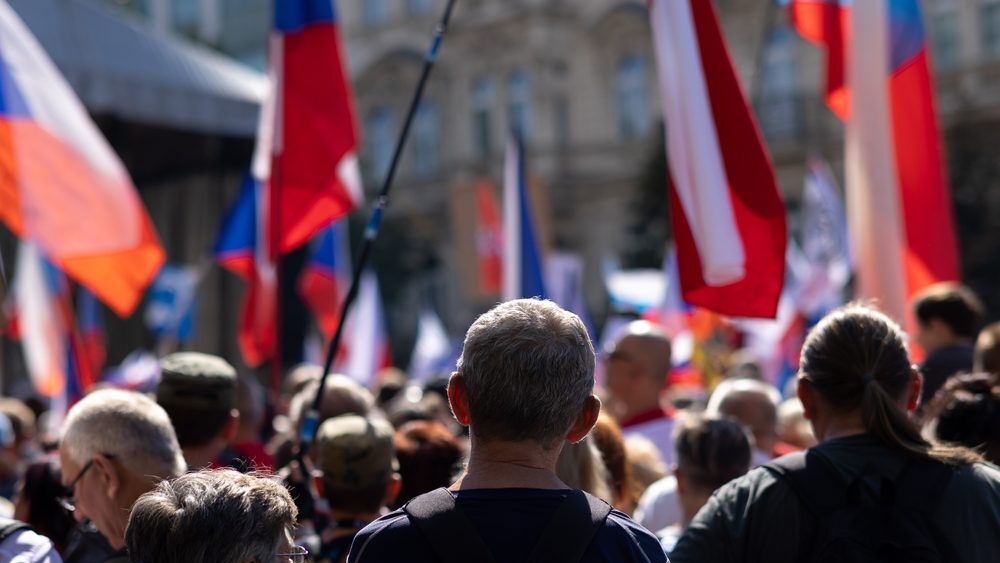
728,217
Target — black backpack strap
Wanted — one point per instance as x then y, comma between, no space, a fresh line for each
449,532
9,526
579,517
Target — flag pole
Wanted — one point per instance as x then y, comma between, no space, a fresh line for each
274,203
311,421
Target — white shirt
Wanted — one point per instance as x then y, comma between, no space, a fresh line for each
659,506
26,546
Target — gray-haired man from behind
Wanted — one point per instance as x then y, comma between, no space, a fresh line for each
116,445
524,387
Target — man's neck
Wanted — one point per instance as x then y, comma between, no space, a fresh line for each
506,465
201,457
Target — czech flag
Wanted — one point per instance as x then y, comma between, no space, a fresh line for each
898,198
242,249
522,259
365,348
91,331
326,278
53,348
728,217
61,185
308,129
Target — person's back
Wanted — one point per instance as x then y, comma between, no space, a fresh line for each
524,387
510,523
759,518
873,489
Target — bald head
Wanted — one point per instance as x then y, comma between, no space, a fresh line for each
752,403
648,346
637,369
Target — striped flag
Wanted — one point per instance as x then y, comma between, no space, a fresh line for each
728,217
365,346
242,249
306,146
324,282
898,198
61,185
522,260
489,240
53,348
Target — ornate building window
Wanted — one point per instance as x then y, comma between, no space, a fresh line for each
632,98
426,140
375,12
483,99
380,138
519,102
946,47
989,28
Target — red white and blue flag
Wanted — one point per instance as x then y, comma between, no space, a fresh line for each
61,185
91,330
523,275
365,348
326,278
728,217
489,240
54,350
308,136
242,249
898,197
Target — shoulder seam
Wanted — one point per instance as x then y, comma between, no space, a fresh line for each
385,525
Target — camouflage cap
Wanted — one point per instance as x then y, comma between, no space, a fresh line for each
195,381
355,452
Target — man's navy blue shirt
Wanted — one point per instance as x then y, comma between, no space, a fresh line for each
510,522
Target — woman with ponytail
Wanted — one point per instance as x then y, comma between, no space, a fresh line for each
873,489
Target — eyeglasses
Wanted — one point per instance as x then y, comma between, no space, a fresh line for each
68,502
296,555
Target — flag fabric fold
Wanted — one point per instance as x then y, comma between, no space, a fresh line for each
489,240
61,184
728,217
898,198
242,249
523,275
365,345
326,278
307,145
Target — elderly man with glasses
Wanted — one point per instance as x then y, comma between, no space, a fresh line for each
116,445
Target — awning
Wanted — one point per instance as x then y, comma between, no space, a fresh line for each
122,67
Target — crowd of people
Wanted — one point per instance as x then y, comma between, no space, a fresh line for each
519,456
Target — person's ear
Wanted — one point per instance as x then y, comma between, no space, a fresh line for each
109,475
681,482
392,489
585,420
231,427
458,398
915,388
807,396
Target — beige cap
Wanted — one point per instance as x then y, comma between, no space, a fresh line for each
195,381
355,452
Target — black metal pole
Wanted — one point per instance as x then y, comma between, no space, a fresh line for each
311,421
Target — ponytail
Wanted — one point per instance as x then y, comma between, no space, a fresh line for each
856,359
884,419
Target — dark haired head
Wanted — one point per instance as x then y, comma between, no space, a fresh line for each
856,360
954,305
986,357
711,452
37,502
967,412
429,457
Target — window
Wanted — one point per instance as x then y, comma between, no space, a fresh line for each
380,133
561,118
519,102
945,39
426,140
989,29
186,15
483,98
375,13
631,97
418,7
778,107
